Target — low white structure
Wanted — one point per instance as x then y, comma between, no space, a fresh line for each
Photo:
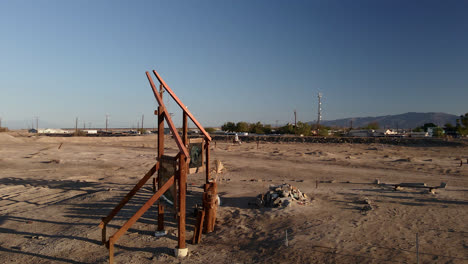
91,131
360,133
53,131
419,134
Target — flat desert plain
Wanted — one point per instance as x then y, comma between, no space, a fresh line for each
55,190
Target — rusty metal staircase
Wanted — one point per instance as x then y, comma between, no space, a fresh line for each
179,178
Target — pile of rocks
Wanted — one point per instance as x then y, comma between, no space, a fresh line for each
282,195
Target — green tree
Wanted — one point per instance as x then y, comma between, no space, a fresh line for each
303,129
242,127
229,126
267,129
210,130
462,125
287,129
437,132
449,127
427,125
256,128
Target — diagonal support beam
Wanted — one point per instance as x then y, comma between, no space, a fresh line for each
168,118
184,108
141,211
127,198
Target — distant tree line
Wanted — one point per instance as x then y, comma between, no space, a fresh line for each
461,127
259,128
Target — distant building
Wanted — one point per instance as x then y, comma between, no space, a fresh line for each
32,130
418,134
53,131
360,133
91,131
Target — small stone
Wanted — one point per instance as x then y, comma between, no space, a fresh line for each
376,181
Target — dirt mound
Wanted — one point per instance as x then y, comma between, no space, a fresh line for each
6,138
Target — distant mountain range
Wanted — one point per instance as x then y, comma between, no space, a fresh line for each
407,120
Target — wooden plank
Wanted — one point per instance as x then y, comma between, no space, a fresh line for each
103,233
168,118
198,228
160,217
111,253
184,108
207,164
182,205
142,210
184,129
129,196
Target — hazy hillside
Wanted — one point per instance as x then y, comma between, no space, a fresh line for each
407,120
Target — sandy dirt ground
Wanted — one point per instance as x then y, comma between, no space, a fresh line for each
55,190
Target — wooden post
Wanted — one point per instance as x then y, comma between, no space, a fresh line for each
210,205
103,233
182,189
111,252
161,114
184,129
160,217
197,233
207,164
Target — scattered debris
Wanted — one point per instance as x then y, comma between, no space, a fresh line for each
328,181
56,161
412,184
219,167
399,187
403,160
282,195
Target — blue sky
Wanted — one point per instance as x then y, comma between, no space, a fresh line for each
230,60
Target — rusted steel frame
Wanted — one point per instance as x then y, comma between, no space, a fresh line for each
182,191
184,108
207,164
168,118
141,211
127,198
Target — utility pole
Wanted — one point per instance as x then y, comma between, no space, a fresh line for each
319,117
142,118
295,122
84,125
107,121
76,126
37,123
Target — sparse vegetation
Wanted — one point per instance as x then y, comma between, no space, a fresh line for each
210,130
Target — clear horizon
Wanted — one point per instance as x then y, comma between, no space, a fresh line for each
230,61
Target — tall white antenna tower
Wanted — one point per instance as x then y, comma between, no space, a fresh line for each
319,117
